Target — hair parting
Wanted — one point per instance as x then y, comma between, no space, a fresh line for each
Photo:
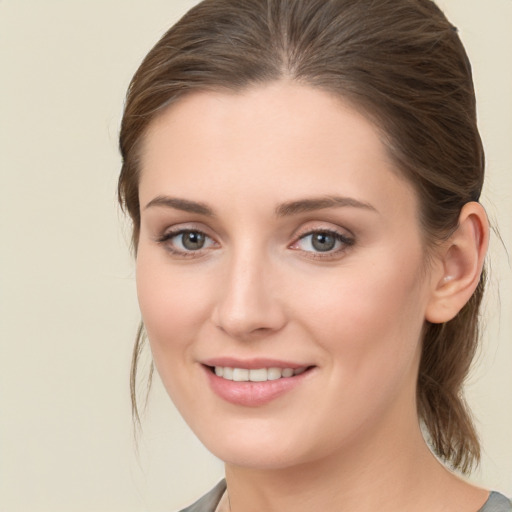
398,61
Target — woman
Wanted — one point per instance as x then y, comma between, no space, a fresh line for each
303,180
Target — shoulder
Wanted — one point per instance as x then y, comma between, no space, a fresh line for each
209,502
497,503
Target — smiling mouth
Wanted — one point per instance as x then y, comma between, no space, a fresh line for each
256,374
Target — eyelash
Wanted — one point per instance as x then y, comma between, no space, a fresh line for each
169,235
343,240
339,238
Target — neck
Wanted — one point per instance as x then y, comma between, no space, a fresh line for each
387,470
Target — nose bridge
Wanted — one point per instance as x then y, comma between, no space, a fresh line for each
248,301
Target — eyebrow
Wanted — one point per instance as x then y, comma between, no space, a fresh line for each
319,203
181,204
283,210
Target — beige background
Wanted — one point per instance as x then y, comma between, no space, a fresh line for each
67,298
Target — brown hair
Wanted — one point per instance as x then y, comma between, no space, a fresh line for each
402,63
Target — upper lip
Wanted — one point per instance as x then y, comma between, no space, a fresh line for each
253,363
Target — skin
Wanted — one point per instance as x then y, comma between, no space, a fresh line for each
346,437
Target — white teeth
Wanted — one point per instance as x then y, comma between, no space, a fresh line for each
274,373
240,374
259,375
287,372
256,375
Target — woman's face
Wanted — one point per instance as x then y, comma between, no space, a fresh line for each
280,249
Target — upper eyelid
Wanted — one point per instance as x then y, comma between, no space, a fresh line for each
336,230
171,233
164,239
347,239
181,227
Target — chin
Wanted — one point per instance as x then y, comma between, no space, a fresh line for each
257,458
258,447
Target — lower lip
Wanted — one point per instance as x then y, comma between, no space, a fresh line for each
253,394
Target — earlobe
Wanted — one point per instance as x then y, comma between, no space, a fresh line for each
461,261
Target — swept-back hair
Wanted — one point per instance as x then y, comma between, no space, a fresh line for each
402,64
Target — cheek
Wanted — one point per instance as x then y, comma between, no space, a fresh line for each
172,303
370,321
370,329
174,309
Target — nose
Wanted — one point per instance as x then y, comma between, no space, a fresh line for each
248,305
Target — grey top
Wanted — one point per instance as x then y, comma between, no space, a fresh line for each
208,503
497,503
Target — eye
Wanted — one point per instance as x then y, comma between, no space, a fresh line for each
322,241
186,241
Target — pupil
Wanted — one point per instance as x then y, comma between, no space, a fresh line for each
323,242
193,240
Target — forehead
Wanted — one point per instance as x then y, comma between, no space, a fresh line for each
259,113
280,139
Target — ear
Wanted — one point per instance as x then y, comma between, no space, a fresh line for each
459,265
